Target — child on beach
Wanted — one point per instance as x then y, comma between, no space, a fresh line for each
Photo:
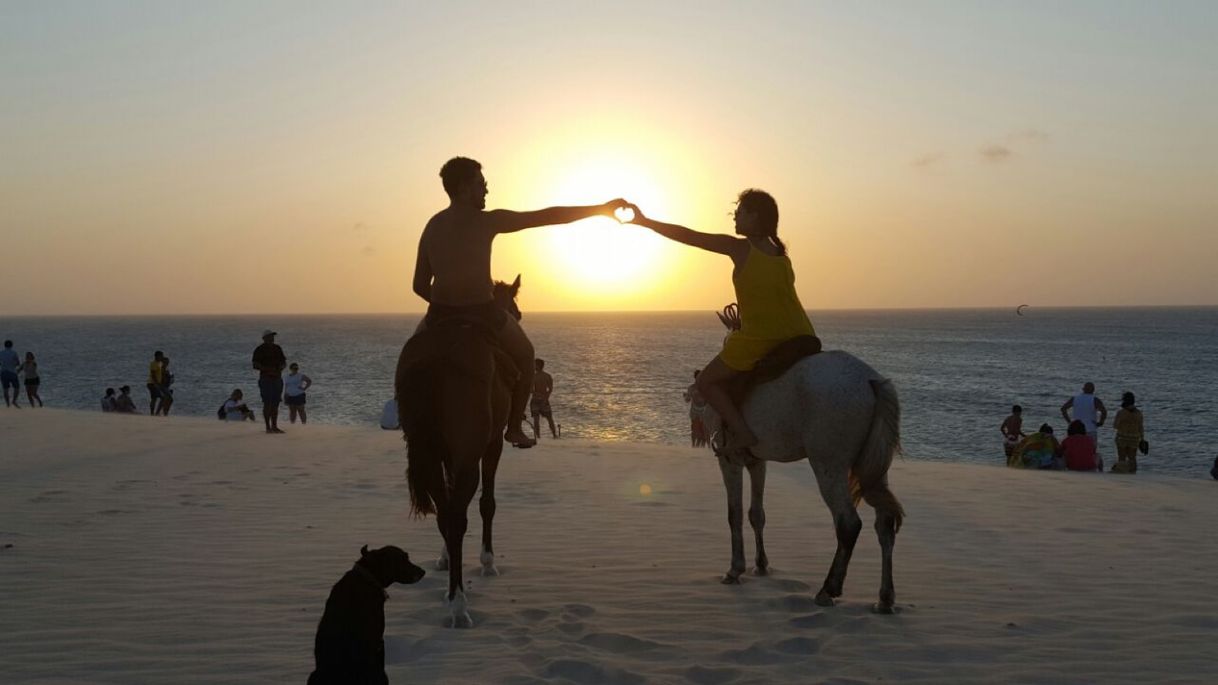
1012,431
123,404
770,311
1037,451
30,369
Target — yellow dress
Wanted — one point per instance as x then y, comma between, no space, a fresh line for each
770,312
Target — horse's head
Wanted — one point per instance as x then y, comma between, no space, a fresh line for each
505,296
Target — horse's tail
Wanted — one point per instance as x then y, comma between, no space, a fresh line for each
869,473
417,391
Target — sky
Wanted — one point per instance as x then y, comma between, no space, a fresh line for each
174,157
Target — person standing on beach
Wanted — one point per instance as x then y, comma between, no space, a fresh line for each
539,406
30,370
156,370
166,388
1086,405
453,269
1012,430
294,387
697,412
270,362
1130,433
9,363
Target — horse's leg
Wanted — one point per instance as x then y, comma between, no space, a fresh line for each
886,529
757,514
733,480
465,485
441,519
835,489
486,506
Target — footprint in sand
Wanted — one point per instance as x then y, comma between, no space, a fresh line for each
532,614
49,496
816,620
801,603
578,610
711,676
619,643
789,585
588,672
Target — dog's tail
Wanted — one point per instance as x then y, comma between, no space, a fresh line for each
417,386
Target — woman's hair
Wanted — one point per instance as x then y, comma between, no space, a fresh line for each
1128,400
1077,428
761,204
1046,428
109,392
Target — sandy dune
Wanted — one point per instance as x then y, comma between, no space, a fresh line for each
194,551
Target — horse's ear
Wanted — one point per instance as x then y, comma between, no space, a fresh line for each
516,284
363,551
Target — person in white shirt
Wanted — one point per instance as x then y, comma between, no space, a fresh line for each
294,386
235,409
1086,405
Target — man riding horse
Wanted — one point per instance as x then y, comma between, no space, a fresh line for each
453,270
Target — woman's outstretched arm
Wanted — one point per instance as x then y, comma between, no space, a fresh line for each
712,242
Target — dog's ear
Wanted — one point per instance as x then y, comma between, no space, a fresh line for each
363,551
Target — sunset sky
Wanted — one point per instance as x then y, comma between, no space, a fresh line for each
216,157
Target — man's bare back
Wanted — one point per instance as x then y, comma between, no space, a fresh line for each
543,385
455,254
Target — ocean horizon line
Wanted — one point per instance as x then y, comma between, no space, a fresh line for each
969,308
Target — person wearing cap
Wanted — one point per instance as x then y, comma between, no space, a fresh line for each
270,361
1129,434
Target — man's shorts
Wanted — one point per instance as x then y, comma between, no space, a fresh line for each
540,408
8,379
271,389
154,391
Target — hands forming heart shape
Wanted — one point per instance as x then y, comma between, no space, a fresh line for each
625,215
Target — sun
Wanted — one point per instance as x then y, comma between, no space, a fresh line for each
600,254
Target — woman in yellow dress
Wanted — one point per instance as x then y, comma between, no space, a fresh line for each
770,311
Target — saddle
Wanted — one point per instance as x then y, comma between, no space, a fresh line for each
774,364
454,342
771,366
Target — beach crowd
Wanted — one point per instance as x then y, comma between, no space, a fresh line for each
1085,414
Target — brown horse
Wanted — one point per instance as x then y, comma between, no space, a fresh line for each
453,385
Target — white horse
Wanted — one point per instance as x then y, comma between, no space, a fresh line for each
835,411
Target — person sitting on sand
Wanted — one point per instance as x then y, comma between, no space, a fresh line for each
453,268
1037,451
107,401
123,404
770,311
1214,470
1012,430
235,408
1077,450
1130,432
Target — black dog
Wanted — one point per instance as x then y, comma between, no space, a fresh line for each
350,643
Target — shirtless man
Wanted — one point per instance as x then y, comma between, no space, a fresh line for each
539,406
453,270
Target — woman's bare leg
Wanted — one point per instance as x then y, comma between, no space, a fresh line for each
710,383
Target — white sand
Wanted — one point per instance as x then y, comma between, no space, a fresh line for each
193,551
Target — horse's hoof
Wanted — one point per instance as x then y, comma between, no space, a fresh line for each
882,608
490,570
823,599
461,620
730,579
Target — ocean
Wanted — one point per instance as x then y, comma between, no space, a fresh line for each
620,376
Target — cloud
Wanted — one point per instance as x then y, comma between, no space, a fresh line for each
928,160
1028,135
995,153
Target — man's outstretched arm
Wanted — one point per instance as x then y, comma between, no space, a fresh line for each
507,221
